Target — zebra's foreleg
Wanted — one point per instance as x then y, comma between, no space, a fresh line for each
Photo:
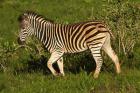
54,57
60,65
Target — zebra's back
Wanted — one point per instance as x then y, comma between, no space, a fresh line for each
76,37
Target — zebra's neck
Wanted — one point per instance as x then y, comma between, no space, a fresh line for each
42,30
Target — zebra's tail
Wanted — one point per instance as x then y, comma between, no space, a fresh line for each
111,34
108,29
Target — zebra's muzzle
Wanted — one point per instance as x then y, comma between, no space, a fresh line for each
20,42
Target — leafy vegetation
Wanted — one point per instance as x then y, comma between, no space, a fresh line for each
24,70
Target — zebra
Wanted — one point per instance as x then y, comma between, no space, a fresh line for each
60,39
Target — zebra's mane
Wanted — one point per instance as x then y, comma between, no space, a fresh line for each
21,17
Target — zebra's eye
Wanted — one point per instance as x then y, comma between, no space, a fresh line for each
22,28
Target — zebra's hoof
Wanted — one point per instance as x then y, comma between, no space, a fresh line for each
96,76
59,75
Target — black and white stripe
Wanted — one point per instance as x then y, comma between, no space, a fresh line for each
71,38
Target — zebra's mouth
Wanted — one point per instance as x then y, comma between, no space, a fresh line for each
20,42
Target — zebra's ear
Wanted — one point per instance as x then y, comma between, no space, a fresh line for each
22,21
22,18
25,17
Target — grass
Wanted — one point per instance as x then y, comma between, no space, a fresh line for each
127,82
68,11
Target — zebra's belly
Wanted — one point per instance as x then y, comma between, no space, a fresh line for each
76,50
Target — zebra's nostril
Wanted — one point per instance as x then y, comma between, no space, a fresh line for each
20,42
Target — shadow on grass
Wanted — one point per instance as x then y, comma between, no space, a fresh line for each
74,66
34,65
40,65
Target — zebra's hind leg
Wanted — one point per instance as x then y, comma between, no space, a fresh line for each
96,52
60,65
54,57
108,49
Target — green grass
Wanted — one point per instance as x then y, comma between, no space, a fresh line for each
68,11
135,0
127,82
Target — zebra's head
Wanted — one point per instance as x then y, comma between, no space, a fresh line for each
25,28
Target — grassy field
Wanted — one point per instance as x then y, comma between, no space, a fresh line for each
127,82
22,71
